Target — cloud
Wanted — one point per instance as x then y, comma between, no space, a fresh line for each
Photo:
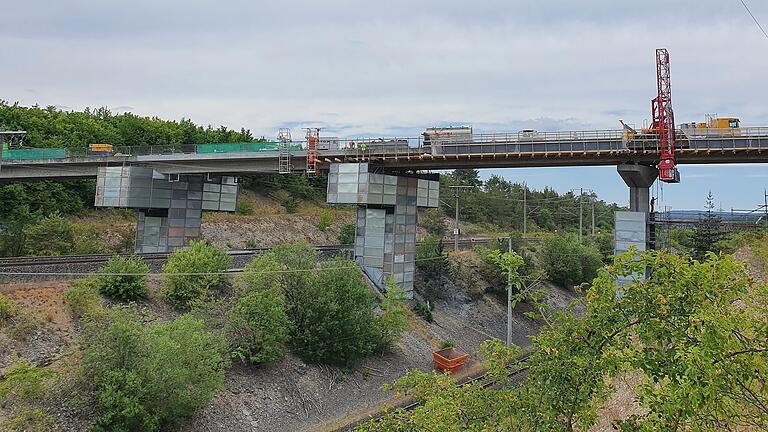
386,68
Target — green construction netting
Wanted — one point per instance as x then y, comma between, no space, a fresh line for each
34,153
237,147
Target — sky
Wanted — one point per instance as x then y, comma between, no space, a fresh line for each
396,67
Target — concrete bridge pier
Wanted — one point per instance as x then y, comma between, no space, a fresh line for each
633,228
387,214
169,207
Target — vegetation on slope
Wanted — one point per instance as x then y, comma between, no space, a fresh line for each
695,332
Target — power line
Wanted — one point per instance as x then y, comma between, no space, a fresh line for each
754,19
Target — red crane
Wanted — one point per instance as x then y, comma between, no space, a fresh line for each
664,120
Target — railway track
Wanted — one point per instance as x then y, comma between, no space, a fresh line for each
33,261
483,378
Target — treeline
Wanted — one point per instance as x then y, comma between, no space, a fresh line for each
51,127
499,202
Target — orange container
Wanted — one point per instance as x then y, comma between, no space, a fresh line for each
449,359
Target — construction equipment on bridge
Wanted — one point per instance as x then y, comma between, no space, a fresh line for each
284,151
664,120
313,138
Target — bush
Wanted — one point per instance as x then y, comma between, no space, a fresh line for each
123,278
347,234
83,298
325,220
433,221
430,259
6,307
568,262
258,327
287,200
392,321
244,207
423,310
21,387
333,316
87,240
447,344
52,235
191,274
147,378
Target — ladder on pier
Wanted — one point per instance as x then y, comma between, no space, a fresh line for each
284,151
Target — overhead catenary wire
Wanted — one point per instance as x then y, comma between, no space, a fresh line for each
759,26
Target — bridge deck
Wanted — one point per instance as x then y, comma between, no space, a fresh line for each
577,148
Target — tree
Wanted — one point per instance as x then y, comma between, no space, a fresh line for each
430,259
123,278
694,332
191,274
568,262
433,221
707,232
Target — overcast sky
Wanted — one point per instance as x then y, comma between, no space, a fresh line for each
396,67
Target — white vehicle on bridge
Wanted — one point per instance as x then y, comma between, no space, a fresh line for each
436,138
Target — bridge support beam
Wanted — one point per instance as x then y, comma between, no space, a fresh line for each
385,240
169,207
639,178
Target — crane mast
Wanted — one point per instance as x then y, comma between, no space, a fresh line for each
664,120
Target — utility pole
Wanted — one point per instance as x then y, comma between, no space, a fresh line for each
509,298
581,214
525,211
593,218
456,223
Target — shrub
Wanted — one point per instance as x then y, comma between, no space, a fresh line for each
347,234
325,220
423,311
447,344
244,207
30,419
83,298
6,307
258,327
123,278
87,240
147,378
430,259
392,321
567,262
190,274
287,200
433,221
260,274
24,382
52,235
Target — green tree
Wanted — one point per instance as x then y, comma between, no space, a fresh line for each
433,221
430,259
392,321
694,332
568,262
191,274
123,278
707,232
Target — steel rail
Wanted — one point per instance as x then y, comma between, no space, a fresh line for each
30,261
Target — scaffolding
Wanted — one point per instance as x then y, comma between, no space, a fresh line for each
284,151
313,137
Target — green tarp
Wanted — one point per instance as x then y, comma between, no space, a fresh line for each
34,153
237,147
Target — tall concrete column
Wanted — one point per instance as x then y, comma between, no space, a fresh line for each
169,207
385,244
632,228
639,178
